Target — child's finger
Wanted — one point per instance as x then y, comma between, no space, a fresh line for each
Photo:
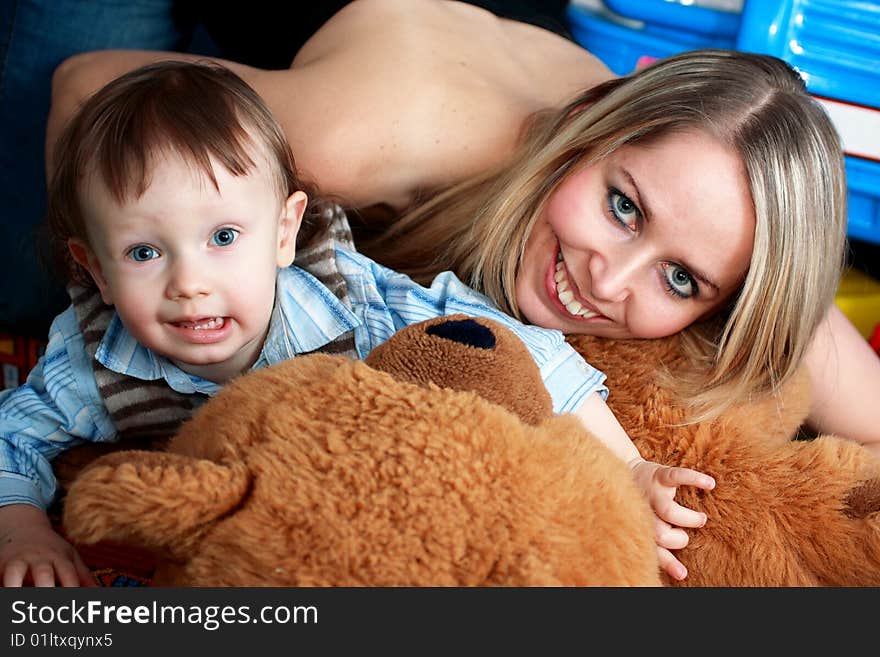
679,516
671,538
43,574
672,566
66,573
14,573
670,476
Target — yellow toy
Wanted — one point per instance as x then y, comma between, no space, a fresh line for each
858,297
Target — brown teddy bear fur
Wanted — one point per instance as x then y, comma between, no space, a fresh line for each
328,472
784,512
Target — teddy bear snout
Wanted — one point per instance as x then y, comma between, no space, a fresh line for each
464,331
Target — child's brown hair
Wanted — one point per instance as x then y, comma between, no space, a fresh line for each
198,111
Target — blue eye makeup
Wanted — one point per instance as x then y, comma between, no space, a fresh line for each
224,237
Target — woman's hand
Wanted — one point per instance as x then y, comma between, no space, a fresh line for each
659,483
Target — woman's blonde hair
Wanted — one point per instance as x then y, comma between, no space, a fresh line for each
198,111
755,104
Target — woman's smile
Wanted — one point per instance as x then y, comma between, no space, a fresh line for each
640,244
564,291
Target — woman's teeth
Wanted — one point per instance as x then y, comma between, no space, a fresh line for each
566,297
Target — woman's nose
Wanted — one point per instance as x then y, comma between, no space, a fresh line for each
612,276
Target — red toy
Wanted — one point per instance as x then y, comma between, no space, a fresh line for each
18,356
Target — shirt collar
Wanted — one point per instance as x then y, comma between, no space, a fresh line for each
121,353
306,317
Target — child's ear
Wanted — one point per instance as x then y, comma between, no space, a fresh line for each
288,227
87,259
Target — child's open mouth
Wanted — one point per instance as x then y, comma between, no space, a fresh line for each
202,330
206,324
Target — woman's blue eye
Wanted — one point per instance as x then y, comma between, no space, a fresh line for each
679,281
142,253
224,237
623,209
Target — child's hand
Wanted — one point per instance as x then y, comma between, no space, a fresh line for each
659,483
28,544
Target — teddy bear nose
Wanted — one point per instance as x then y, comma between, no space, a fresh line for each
464,331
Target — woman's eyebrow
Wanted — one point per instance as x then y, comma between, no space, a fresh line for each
642,203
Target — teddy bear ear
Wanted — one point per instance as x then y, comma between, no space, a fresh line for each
863,500
160,501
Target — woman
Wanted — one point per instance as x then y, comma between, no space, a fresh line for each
394,100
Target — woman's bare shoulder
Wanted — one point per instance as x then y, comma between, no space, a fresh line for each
403,95
450,37
392,97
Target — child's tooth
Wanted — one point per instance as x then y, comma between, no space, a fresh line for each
559,275
566,297
561,287
559,265
212,323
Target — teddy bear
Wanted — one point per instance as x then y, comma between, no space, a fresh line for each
437,462
784,511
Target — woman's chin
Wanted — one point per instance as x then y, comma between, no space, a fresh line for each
545,318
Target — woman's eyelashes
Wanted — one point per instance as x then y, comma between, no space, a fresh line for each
679,282
623,210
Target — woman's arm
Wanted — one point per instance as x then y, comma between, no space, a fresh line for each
845,375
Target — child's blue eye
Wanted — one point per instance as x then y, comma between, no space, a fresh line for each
142,253
224,237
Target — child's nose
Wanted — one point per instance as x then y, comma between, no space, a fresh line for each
187,281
